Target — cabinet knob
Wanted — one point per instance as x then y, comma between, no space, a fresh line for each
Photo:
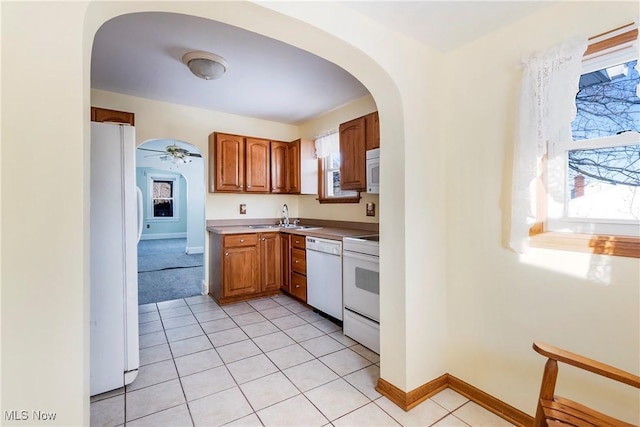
226,254
248,186
297,241
297,286
297,261
263,239
241,240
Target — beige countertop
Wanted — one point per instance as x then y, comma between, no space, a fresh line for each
334,233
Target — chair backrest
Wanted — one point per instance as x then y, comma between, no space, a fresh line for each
558,411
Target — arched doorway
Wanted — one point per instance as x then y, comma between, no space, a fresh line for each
171,247
381,86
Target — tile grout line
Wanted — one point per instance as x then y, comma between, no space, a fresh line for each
259,311
279,370
314,358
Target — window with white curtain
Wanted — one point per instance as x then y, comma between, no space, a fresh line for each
594,176
328,152
577,151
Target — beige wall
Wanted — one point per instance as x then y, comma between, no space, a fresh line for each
155,119
447,282
45,316
45,321
499,302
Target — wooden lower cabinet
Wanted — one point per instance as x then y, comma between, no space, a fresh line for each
243,266
295,267
285,259
270,262
240,271
299,286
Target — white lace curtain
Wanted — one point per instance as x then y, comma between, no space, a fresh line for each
546,110
327,143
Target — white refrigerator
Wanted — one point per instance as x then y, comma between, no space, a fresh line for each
115,229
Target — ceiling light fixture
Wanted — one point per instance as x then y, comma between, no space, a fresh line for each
205,65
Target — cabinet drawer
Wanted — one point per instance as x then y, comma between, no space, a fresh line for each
298,241
298,261
239,240
299,286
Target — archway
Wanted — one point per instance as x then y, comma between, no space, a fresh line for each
302,34
170,252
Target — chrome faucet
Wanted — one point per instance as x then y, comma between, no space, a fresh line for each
285,214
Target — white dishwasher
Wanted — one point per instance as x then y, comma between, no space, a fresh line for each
324,275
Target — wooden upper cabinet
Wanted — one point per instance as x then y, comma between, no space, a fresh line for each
285,167
352,155
279,167
372,131
226,165
293,167
257,166
105,115
246,164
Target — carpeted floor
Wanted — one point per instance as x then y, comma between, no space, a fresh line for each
166,273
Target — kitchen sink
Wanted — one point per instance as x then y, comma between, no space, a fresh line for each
299,227
286,227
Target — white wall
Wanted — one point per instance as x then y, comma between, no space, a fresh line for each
499,302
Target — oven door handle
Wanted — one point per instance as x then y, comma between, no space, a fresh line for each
361,257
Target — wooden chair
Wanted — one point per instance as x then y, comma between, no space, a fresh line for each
556,411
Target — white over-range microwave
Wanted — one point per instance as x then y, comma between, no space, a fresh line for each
373,171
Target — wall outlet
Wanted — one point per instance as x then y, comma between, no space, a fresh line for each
243,209
148,225
371,209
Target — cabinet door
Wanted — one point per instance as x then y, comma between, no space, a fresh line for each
270,261
285,254
227,163
278,167
352,155
258,154
372,131
241,271
293,167
104,115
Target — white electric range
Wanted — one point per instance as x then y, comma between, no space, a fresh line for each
361,289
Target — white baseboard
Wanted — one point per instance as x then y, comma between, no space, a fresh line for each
194,250
163,236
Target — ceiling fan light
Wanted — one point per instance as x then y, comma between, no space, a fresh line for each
205,65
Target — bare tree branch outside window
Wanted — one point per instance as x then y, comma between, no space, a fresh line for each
607,105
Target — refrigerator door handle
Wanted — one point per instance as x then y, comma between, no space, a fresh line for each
140,208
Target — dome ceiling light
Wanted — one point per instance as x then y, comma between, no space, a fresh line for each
205,65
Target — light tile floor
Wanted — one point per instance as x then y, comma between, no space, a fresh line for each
266,362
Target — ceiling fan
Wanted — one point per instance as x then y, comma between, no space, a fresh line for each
173,153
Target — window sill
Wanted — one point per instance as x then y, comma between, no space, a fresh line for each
624,246
340,200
